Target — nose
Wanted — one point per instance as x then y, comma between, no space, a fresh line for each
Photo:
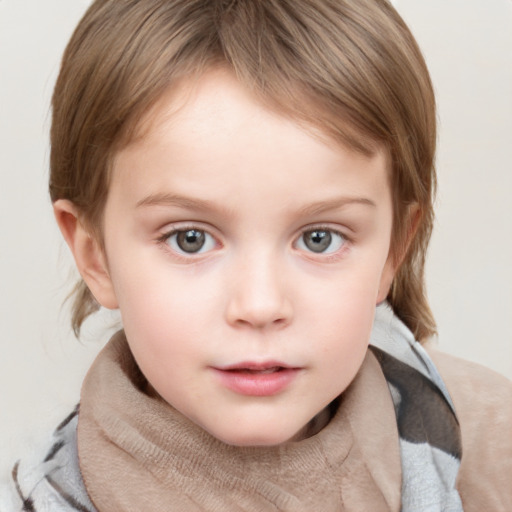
258,295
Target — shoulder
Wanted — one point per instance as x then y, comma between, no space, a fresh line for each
482,397
483,403
50,479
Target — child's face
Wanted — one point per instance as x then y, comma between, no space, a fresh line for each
247,257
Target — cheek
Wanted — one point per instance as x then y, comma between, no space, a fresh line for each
343,318
163,329
169,316
163,309
343,351
348,295
151,289
348,323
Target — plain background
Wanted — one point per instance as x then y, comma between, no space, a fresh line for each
468,47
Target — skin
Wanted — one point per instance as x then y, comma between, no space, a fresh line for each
256,185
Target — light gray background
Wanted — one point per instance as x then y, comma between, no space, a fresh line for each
468,46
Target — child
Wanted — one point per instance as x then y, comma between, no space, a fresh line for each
246,181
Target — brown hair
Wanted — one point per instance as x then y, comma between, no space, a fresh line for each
349,67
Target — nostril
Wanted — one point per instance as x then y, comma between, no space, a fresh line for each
261,321
258,303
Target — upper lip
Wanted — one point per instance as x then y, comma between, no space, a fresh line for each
255,366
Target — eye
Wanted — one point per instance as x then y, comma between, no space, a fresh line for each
190,241
321,241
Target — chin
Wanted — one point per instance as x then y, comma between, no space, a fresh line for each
243,438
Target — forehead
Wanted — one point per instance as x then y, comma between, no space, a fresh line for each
208,91
212,131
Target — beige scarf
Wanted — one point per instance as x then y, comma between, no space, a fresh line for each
138,454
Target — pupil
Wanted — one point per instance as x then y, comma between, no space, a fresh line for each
191,240
317,240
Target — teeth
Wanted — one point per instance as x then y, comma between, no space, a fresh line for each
262,372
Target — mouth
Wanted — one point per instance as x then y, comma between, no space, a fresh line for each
257,368
257,379
263,371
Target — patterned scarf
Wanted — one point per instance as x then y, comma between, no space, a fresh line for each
430,441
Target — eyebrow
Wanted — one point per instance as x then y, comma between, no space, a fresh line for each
165,199
333,204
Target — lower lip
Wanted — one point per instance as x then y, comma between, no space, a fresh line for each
257,384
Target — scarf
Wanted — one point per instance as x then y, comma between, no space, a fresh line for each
138,453
430,440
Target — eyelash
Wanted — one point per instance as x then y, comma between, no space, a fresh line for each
325,256
164,238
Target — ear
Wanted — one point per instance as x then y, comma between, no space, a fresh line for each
386,278
395,259
87,252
